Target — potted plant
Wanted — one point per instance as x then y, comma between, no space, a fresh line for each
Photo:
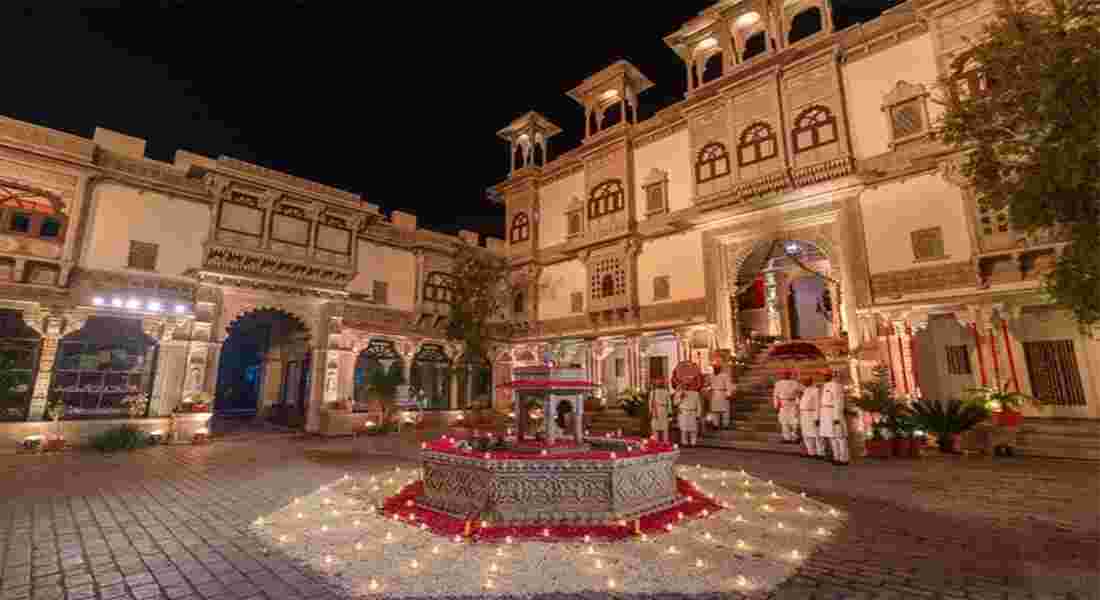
947,420
195,402
878,446
633,399
1001,403
54,411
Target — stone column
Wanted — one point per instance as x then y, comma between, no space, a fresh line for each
318,371
52,329
170,377
213,360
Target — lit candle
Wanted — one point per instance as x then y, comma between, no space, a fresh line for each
414,564
672,550
373,585
389,536
611,583
359,545
282,539
591,550
493,568
741,580
795,555
599,564
699,563
741,544
324,528
328,560
707,536
508,539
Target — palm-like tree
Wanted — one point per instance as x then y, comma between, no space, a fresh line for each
947,419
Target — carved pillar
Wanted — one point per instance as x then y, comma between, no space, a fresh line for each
777,320
171,372
52,329
317,384
633,373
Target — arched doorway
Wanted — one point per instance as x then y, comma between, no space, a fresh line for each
785,289
102,364
431,377
19,346
265,368
378,358
475,383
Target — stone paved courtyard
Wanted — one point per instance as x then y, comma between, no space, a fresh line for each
173,522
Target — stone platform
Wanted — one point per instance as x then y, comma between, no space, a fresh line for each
600,481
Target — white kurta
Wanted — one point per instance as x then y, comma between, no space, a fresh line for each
808,407
658,410
831,412
721,387
688,418
785,398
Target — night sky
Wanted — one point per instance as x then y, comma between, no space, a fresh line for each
400,103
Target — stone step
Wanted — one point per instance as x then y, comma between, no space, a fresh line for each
752,446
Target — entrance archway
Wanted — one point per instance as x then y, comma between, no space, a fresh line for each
379,357
265,368
431,377
19,345
786,289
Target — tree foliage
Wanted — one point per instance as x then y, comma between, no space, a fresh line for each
481,291
1034,138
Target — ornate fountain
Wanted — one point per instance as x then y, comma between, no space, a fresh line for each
543,476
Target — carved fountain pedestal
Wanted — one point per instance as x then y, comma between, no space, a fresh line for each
547,480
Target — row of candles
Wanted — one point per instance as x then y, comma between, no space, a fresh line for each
598,563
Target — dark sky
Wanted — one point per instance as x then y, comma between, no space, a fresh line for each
399,103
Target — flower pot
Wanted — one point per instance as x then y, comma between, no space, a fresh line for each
902,447
200,408
1008,418
53,444
879,448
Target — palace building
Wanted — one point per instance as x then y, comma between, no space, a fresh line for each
798,192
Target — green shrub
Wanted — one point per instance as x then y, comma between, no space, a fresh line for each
125,437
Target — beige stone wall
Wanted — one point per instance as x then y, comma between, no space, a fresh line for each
672,156
892,211
868,80
558,284
394,266
554,200
119,214
680,258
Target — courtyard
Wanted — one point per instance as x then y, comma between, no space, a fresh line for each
179,522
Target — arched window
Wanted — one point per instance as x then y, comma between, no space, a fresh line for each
519,303
816,126
713,162
521,228
755,44
805,24
758,143
607,286
439,287
606,198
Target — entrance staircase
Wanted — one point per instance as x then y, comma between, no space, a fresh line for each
1059,438
755,419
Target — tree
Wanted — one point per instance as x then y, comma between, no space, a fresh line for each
1030,121
480,292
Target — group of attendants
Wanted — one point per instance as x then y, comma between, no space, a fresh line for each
687,397
813,410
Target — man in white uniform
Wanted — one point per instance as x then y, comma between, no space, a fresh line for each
721,392
807,413
834,427
689,405
785,398
658,411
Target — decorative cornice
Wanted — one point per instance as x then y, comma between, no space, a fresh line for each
896,284
238,261
267,286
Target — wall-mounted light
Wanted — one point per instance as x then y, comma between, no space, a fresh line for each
133,303
181,308
98,301
154,306
116,301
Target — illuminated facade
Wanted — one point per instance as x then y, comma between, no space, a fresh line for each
797,191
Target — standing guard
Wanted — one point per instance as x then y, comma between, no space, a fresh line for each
658,410
834,427
808,407
721,392
785,398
